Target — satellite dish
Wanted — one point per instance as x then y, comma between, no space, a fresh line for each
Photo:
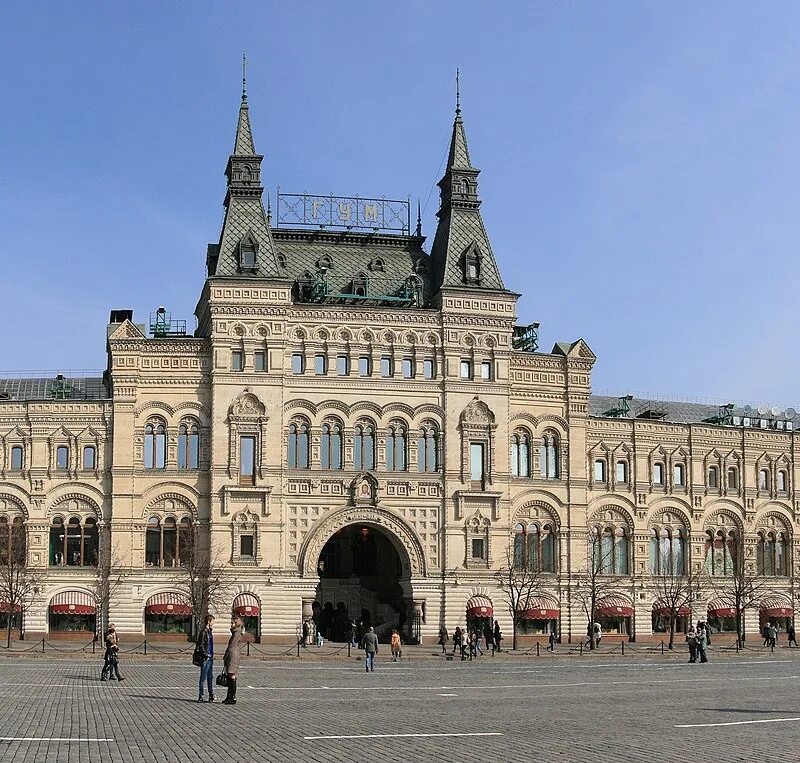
790,413
775,411
762,410
748,409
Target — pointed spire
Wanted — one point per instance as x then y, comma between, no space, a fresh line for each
418,231
458,155
458,94
244,144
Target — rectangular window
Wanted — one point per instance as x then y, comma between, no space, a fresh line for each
677,474
16,458
247,460
260,361
408,368
429,369
365,366
342,365
622,472
466,369
478,548
486,370
237,360
246,545
320,365
62,457
599,471
476,462
658,474
298,363
89,459
387,366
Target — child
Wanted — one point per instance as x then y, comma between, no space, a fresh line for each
397,652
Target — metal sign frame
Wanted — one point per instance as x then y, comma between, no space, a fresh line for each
343,213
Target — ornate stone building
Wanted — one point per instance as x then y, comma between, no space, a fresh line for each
358,429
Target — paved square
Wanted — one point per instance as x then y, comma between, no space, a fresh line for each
598,709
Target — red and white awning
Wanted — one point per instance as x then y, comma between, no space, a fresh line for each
246,605
721,609
479,606
73,603
4,607
540,608
776,606
614,606
665,610
168,604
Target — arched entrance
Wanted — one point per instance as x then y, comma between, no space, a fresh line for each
364,558
360,572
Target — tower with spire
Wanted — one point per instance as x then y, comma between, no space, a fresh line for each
461,255
245,248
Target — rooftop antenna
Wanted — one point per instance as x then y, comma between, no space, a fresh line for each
244,76
458,94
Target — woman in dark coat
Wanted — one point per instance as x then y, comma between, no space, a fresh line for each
231,659
443,639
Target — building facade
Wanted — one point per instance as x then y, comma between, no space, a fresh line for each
358,429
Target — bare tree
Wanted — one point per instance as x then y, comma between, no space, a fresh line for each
109,578
675,590
520,582
19,583
739,587
201,576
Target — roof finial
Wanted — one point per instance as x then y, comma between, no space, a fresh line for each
419,218
244,76
269,208
458,94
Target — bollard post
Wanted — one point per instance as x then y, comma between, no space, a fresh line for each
94,643
42,646
537,648
623,648
581,645
145,646
298,647
662,647
349,644
248,648
772,647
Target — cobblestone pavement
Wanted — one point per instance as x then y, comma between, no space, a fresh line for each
558,710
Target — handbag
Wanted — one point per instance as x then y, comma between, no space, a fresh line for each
222,679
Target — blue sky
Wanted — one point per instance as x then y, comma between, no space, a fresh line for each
640,163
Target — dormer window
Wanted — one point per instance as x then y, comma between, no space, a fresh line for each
377,265
281,260
247,254
360,285
472,264
324,263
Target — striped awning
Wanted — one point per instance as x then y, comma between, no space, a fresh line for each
246,605
479,606
4,607
665,610
614,606
540,608
73,603
721,609
168,604
776,606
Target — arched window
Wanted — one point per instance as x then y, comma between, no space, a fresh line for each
713,477
188,445
16,458
548,456
520,454
155,445
331,445
396,446
599,470
62,457
721,551
763,479
534,547
89,460
73,544
247,254
609,550
733,478
621,476
13,544
771,553
678,475
297,449
783,481
667,551
364,446
428,447
658,474
167,542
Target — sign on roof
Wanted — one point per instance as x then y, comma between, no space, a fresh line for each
343,212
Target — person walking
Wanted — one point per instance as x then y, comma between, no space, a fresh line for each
457,639
305,633
473,654
790,635
111,659
598,633
487,634
370,649
702,641
231,659
551,641
765,633
397,651
497,636
353,631
204,658
443,637
478,650
691,642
